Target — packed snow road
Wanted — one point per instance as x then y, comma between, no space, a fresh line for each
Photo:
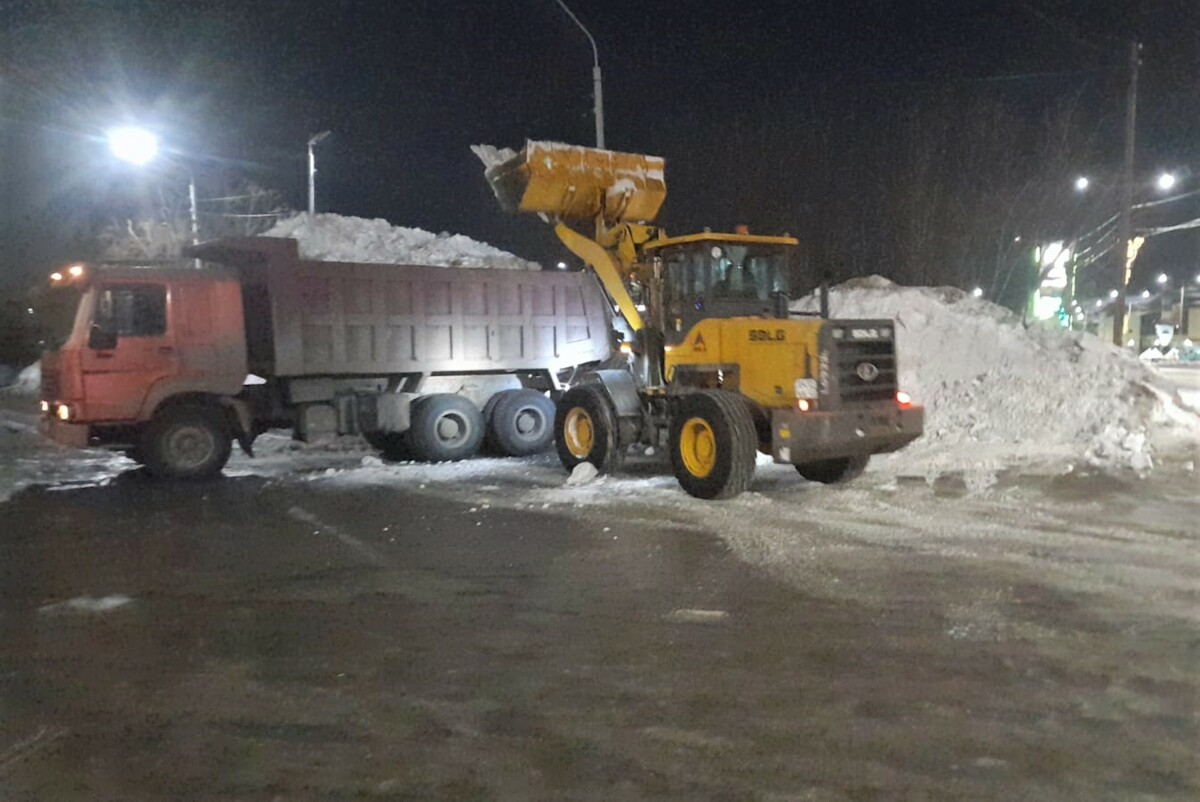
320,624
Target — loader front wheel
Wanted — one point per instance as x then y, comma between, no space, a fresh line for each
834,471
713,444
585,429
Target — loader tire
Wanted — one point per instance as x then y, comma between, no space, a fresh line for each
834,471
186,442
445,427
585,430
520,423
713,444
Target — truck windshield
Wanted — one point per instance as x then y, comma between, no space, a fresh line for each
54,315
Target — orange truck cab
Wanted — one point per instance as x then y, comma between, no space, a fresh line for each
171,365
148,344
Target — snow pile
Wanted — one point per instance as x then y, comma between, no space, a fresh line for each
998,394
29,381
334,238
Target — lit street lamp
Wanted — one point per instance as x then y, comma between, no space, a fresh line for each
1082,183
1162,278
1165,181
312,171
597,88
139,147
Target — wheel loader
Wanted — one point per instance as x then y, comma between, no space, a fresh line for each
715,366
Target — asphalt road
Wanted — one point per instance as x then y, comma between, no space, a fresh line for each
278,639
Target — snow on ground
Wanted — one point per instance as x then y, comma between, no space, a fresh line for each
335,238
998,394
29,381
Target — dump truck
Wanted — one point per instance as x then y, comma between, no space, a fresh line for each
172,365
718,368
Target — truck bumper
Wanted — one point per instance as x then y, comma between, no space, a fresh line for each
798,437
71,435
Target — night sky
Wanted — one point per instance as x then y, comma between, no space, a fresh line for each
722,90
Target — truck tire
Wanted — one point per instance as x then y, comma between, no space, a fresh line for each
392,445
186,442
713,444
520,423
834,471
585,430
445,427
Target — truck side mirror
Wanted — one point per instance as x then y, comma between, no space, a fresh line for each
102,338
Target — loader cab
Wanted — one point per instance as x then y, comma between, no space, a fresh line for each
714,275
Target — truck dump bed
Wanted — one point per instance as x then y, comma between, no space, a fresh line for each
307,318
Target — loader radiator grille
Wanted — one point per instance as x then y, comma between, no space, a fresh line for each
866,371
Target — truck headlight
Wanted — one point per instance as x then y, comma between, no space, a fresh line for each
44,406
62,412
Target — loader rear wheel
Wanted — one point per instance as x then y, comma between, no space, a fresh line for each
521,422
186,442
834,471
445,427
713,444
585,429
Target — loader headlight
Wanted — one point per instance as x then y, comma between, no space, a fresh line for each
62,412
44,406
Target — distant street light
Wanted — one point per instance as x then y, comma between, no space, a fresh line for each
1145,293
1113,294
1165,181
1162,278
139,147
1082,183
597,84
562,265
977,292
312,171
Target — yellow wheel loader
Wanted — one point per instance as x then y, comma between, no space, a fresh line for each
717,368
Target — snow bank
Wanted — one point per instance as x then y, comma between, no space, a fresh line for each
334,238
29,381
998,394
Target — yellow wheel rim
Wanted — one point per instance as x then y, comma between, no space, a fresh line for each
698,447
578,432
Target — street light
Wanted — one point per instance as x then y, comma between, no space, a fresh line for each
312,171
597,88
1165,181
1162,278
138,146
1082,183
977,292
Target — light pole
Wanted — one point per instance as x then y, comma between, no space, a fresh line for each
597,87
139,147
312,171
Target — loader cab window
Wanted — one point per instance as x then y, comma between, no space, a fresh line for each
725,272
133,310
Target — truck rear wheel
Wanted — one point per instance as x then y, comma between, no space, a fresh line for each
520,423
445,427
186,442
585,430
713,444
834,471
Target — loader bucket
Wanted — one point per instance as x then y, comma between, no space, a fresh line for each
573,183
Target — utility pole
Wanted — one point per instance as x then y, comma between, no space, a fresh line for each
597,82
1125,225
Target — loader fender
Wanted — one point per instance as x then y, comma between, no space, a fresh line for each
621,388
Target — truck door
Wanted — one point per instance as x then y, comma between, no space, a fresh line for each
130,348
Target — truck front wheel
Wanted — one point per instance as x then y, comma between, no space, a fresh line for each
834,471
186,442
713,444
